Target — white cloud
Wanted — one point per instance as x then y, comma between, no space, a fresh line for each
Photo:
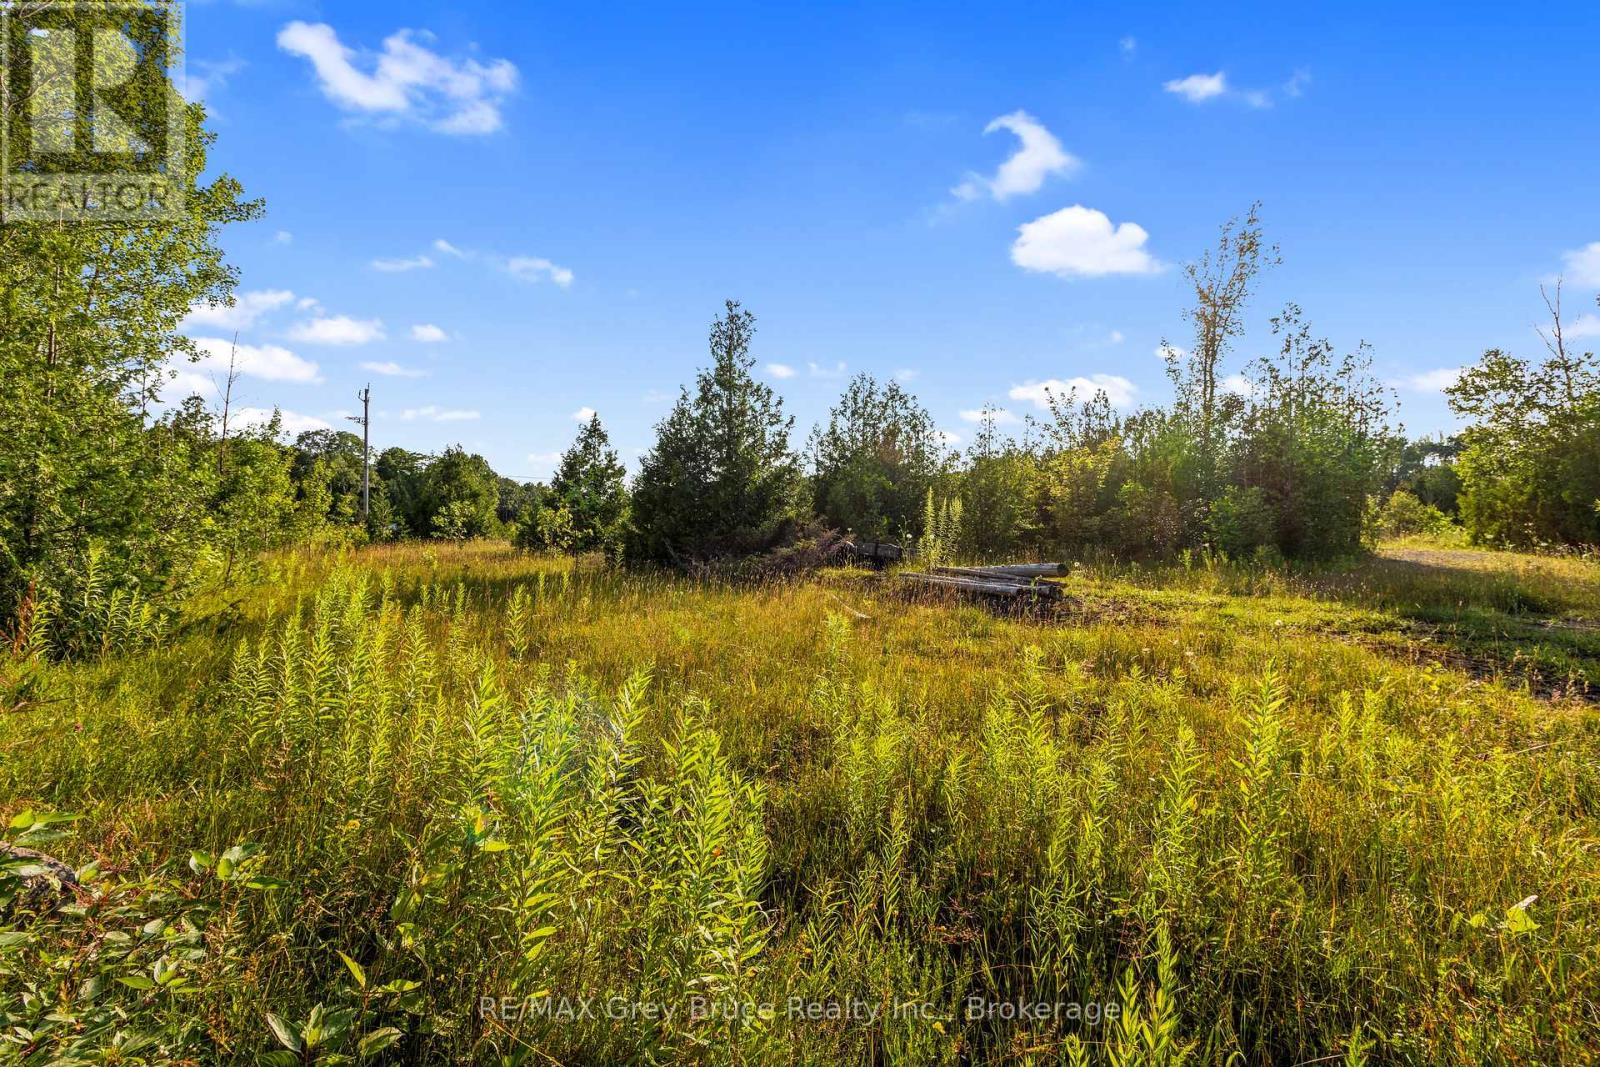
1128,45
290,424
780,370
393,370
428,333
446,248
1583,326
269,362
246,309
338,330
307,303
1582,265
906,374
544,462
1039,156
434,413
283,237
205,76
1433,381
1081,242
1238,385
1118,390
583,414
536,268
407,80
949,437
399,266
1171,352
207,376
1115,337
817,370
1002,417
1198,88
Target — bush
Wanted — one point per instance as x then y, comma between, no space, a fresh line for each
1403,515
1242,520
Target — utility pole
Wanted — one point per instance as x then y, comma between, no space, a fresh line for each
365,396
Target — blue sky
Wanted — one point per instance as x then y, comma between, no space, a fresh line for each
504,215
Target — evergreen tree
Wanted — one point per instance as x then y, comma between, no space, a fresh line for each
590,486
721,479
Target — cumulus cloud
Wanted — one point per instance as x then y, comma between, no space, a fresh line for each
290,424
428,333
399,266
583,414
1582,265
242,314
391,369
780,370
207,376
1433,381
1080,242
817,370
537,268
1001,416
1238,385
283,237
949,438
1584,326
1118,390
268,362
337,330
1038,157
434,413
1128,46
407,80
444,247
1198,88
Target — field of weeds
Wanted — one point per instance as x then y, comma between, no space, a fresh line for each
466,805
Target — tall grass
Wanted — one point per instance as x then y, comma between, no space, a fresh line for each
419,805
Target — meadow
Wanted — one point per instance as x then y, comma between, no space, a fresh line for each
435,804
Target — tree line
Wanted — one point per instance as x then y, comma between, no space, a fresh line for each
1294,455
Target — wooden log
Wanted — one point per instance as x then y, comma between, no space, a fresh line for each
997,587
1027,570
966,585
987,574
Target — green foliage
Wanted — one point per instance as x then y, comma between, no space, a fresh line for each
458,782
88,327
1242,521
460,495
1530,465
586,509
721,479
875,461
1403,515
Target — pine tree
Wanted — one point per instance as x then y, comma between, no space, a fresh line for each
721,479
590,486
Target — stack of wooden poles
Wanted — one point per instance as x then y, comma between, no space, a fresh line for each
1016,581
